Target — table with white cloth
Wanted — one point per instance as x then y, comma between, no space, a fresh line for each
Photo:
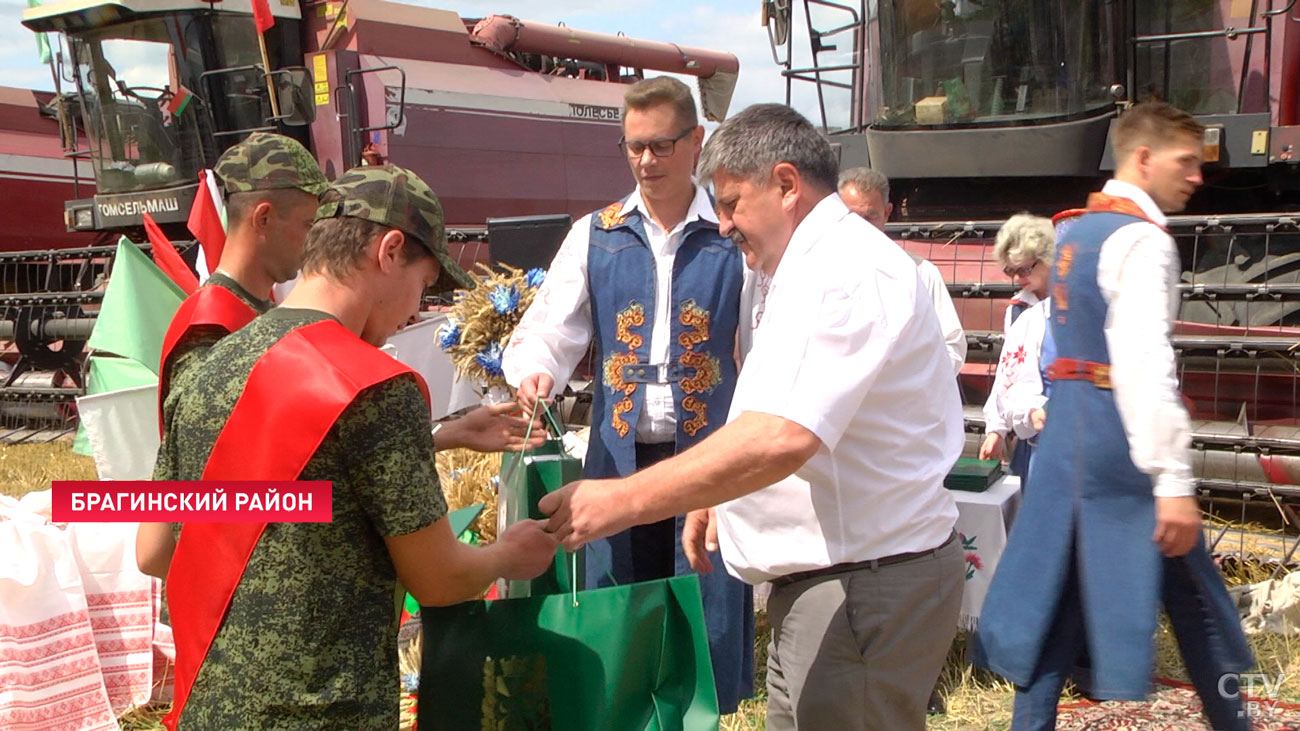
983,521
81,641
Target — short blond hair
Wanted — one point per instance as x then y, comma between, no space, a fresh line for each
662,90
1151,124
1024,239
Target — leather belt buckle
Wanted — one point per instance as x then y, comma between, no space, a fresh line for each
659,373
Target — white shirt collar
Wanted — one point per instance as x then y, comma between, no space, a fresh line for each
1026,296
828,211
701,206
1138,196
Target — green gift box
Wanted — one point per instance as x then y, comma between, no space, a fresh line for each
973,475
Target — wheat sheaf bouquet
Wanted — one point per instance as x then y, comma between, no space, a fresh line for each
479,325
482,320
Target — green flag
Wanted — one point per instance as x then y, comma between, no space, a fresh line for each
110,374
42,40
114,374
138,306
81,444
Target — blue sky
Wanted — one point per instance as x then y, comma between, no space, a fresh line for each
729,25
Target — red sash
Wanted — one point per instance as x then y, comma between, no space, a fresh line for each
1107,203
305,380
209,306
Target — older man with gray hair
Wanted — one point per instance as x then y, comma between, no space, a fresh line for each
866,193
828,477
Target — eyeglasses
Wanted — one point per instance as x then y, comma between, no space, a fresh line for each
662,147
1023,271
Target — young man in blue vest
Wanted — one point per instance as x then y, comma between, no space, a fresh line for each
1112,528
656,287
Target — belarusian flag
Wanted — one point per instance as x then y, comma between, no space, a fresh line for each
179,101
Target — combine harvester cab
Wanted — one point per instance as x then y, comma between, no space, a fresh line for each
978,110
507,120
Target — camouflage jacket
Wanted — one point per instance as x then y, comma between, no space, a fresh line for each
310,639
194,346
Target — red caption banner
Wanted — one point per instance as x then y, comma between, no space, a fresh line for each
144,501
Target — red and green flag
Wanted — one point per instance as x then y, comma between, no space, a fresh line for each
179,101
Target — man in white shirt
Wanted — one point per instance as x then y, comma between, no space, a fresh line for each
866,193
657,288
1110,528
828,477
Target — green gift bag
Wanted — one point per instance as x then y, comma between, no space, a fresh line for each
526,477
631,658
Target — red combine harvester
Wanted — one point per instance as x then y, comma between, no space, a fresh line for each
38,257
35,170
977,109
513,123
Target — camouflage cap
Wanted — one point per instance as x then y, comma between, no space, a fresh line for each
396,197
265,161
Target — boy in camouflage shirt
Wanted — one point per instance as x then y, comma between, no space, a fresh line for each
273,186
309,637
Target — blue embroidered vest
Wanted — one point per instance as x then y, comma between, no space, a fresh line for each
1077,324
705,307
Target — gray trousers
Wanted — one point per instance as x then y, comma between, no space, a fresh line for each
862,649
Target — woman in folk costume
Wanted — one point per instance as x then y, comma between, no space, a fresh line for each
1111,529
1024,249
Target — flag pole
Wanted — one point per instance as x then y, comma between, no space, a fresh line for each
270,84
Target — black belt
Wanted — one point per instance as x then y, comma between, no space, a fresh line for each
873,564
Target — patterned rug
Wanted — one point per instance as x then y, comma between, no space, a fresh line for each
1175,707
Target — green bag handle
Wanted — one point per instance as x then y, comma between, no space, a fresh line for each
556,424
559,433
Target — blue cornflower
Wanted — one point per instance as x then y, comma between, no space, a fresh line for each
504,299
490,359
534,277
449,335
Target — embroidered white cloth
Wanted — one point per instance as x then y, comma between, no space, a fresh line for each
1018,385
120,601
80,641
983,521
